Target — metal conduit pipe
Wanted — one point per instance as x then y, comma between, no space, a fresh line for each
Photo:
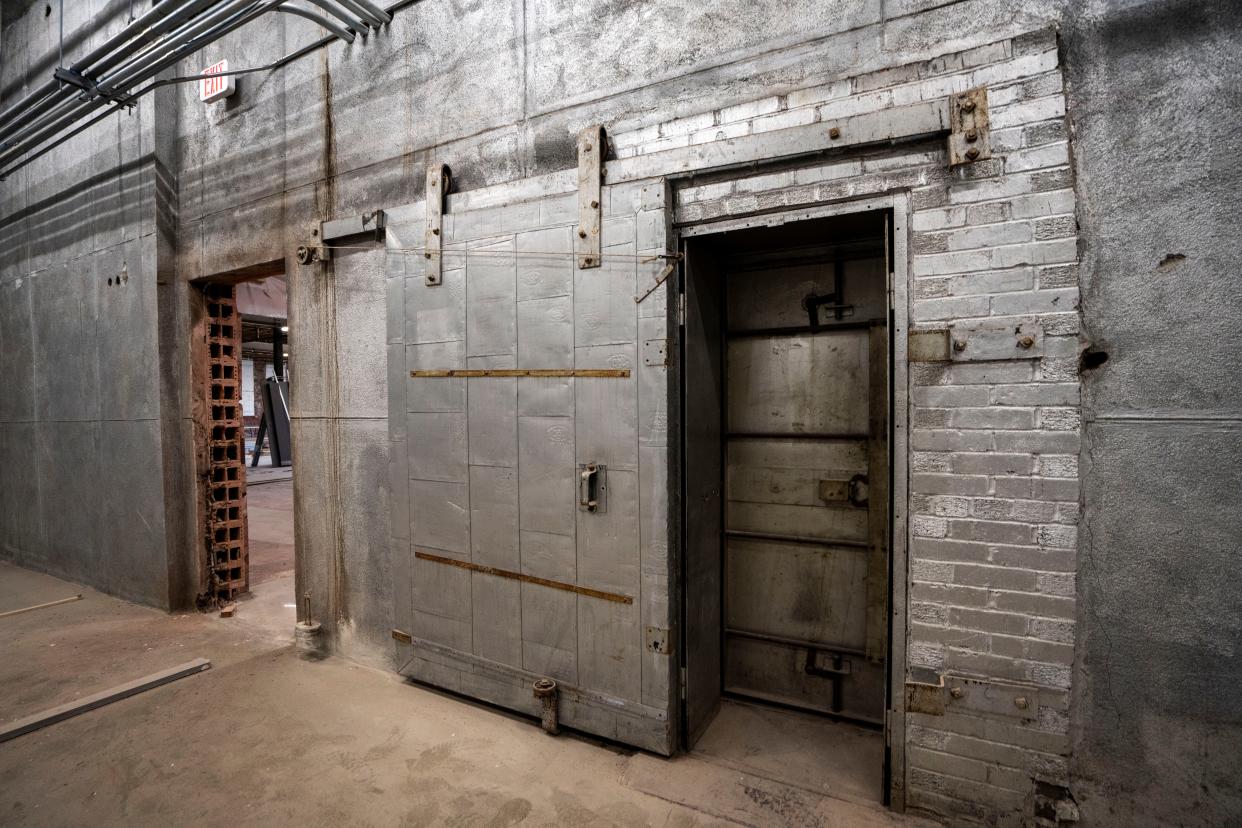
338,30
223,21
292,56
208,23
369,10
355,23
7,159
153,15
158,35
55,92
79,102
156,21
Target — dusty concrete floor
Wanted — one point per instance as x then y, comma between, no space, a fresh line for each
269,523
268,738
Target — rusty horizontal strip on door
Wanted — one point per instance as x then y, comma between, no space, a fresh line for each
527,579
596,373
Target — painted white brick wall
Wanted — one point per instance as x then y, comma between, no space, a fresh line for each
994,445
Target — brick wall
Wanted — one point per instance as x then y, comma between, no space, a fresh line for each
994,445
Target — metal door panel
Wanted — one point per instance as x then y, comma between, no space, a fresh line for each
827,457
772,297
547,476
813,383
777,672
793,487
492,464
802,448
817,589
704,398
821,522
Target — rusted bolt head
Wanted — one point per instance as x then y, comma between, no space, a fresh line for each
304,255
834,133
1026,342
426,255
968,105
587,260
594,205
1021,703
956,692
972,153
544,687
435,231
972,135
582,234
586,147
959,344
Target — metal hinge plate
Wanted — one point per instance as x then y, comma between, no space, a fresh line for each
439,180
587,242
970,138
655,352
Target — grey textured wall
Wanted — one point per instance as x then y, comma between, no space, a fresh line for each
80,452
92,481
1154,105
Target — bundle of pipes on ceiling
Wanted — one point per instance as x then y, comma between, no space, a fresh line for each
111,76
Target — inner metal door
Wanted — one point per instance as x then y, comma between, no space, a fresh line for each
806,475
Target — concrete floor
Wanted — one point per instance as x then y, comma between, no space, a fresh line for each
266,737
269,520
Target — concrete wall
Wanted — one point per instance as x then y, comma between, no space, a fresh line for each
80,440
1154,103
91,484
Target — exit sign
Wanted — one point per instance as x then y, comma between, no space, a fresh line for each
216,88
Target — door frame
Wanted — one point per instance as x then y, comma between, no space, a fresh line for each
898,206
193,385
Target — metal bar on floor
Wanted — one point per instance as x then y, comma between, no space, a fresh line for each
73,708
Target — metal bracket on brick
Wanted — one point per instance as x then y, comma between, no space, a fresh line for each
925,692
989,341
928,346
970,139
587,243
991,697
439,181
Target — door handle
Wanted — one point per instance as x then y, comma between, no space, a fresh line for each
592,487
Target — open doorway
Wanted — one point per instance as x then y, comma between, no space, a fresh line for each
786,475
242,374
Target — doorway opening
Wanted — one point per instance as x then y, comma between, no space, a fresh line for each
241,374
786,389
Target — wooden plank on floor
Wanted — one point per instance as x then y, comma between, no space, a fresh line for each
67,711
41,606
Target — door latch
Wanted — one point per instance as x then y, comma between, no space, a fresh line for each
593,487
858,490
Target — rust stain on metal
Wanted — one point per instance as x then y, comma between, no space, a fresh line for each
402,636
526,579
598,373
